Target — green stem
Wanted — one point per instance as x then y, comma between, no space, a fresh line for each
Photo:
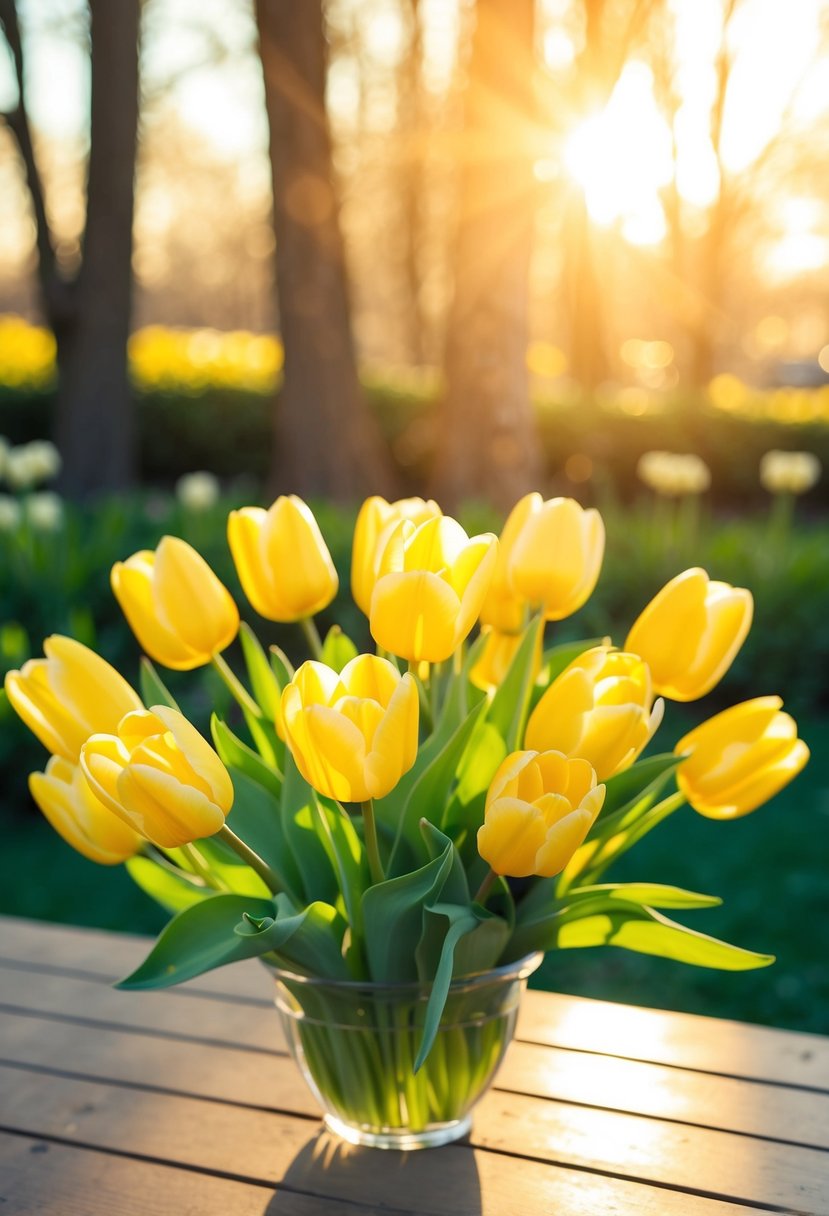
482,894
425,707
312,636
201,868
235,686
375,865
434,689
250,858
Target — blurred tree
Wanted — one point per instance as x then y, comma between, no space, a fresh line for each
610,32
326,441
89,309
487,444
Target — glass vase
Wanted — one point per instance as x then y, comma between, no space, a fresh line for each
356,1042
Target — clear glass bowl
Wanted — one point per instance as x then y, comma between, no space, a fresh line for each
356,1043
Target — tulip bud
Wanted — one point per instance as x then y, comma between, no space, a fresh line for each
690,633
71,694
432,582
376,522
176,606
556,556
64,797
600,708
282,560
740,758
539,809
352,735
159,776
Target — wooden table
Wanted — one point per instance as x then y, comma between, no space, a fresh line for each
185,1103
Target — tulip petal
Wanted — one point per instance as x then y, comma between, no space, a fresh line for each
293,549
199,754
368,675
165,811
751,793
243,531
191,600
511,836
338,754
93,688
67,802
394,746
470,577
413,615
132,585
561,842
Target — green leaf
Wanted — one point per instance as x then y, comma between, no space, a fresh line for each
310,939
429,794
268,744
393,918
281,666
255,817
232,751
198,939
267,690
345,854
298,817
652,894
456,887
226,866
461,922
612,838
510,706
153,689
646,931
166,885
645,776
337,649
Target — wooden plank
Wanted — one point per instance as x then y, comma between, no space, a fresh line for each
230,1139
672,1039
685,1040
169,1013
38,1178
255,1147
273,1082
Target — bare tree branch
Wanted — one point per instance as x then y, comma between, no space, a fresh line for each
56,290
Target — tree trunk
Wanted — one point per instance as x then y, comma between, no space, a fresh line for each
95,415
487,445
411,180
588,348
326,441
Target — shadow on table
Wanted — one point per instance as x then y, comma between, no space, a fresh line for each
441,1180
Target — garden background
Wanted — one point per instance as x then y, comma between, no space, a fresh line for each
429,246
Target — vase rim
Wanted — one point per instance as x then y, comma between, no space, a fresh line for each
518,969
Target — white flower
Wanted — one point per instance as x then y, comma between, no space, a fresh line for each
674,474
197,491
44,458
21,472
44,511
789,472
10,513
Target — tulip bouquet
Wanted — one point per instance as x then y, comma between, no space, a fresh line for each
409,828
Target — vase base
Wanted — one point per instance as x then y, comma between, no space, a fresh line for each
400,1138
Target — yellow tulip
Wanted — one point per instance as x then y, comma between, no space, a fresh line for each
690,632
352,735
282,560
740,758
376,522
64,796
539,809
556,555
160,777
71,694
432,582
499,650
503,608
600,708
176,606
